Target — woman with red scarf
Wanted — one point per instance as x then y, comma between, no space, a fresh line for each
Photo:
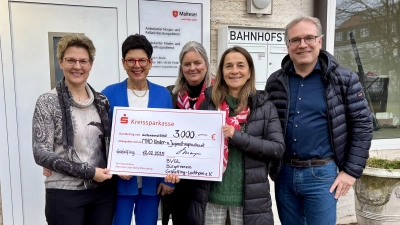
253,137
188,92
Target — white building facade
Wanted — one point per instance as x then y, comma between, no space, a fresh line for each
25,73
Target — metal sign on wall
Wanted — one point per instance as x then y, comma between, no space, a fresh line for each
255,35
168,26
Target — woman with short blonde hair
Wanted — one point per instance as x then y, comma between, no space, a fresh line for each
70,138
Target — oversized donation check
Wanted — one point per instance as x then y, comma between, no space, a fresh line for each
156,142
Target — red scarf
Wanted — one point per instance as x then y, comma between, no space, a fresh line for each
183,100
234,121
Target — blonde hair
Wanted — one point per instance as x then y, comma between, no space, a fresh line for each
220,88
75,40
181,85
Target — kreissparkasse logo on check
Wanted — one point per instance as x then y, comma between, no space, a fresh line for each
124,119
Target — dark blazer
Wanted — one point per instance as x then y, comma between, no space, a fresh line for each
173,96
261,142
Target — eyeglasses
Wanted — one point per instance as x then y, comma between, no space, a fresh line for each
82,62
307,40
132,62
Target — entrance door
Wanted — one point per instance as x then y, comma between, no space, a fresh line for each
35,28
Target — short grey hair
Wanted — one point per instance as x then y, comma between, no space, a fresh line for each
297,20
181,84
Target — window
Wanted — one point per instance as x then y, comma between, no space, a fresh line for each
379,58
364,32
339,36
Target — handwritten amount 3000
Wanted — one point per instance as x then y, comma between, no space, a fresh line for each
184,134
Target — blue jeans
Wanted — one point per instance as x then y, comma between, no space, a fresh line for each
303,197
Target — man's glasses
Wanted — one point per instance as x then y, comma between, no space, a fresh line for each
132,62
307,40
72,61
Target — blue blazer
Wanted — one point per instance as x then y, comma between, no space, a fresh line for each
159,97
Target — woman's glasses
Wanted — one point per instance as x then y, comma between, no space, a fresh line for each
72,61
132,62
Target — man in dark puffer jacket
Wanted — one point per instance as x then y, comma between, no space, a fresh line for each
326,123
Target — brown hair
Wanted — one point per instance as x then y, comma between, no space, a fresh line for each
220,88
75,40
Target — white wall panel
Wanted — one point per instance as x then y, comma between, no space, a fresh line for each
11,192
25,74
5,177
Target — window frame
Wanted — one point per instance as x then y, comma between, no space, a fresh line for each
378,144
364,32
393,23
339,36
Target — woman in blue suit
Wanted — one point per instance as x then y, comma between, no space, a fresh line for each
140,193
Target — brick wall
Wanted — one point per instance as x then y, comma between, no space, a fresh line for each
234,12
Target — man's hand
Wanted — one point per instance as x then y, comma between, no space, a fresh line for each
125,177
101,175
47,172
343,183
164,189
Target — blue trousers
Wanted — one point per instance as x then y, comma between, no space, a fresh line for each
303,197
144,206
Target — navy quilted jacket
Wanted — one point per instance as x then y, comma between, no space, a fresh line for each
349,117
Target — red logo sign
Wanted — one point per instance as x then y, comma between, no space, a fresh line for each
175,13
124,119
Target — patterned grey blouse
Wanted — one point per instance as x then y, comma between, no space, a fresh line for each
48,151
